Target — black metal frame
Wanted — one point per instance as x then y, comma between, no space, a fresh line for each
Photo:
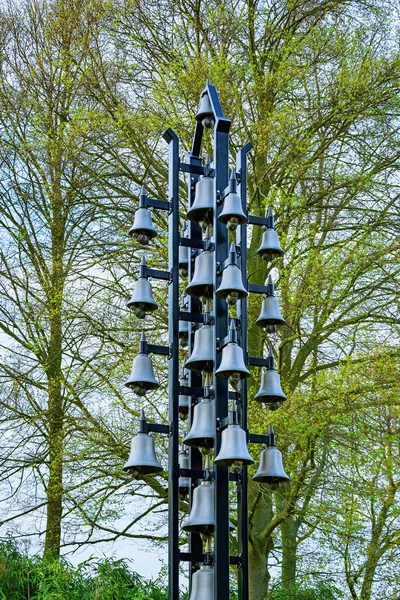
220,557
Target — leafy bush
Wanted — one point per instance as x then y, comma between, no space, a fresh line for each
320,590
34,578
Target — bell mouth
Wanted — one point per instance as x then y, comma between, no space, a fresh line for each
141,387
139,471
271,400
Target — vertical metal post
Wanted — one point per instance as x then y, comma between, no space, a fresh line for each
173,366
242,489
195,379
220,310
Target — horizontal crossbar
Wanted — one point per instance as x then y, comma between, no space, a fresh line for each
157,274
255,438
156,349
258,362
258,289
253,220
160,204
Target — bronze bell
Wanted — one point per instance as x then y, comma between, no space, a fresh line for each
270,316
271,468
184,482
142,458
232,288
142,378
202,431
233,450
203,583
142,300
270,389
184,255
142,228
232,213
270,247
202,283
184,401
205,113
202,356
202,209
232,365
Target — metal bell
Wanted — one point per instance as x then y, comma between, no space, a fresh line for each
184,401
142,458
233,450
270,247
184,255
232,213
205,113
203,584
184,482
201,516
232,365
142,300
142,228
184,325
202,431
232,288
271,468
270,316
202,356
142,378
202,284
202,209
270,389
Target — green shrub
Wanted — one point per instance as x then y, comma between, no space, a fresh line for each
35,578
319,590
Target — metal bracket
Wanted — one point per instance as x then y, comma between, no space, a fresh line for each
258,289
253,220
255,438
158,428
189,243
197,392
158,274
258,362
195,169
160,204
222,423
193,473
191,317
156,349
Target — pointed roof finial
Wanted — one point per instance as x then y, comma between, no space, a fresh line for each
143,191
269,280
232,325
143,260
142,337
232,247
233,174
142,415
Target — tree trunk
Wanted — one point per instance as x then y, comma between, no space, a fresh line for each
289,549
54,489
258,572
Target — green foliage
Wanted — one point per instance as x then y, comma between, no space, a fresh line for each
34,578
320,590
